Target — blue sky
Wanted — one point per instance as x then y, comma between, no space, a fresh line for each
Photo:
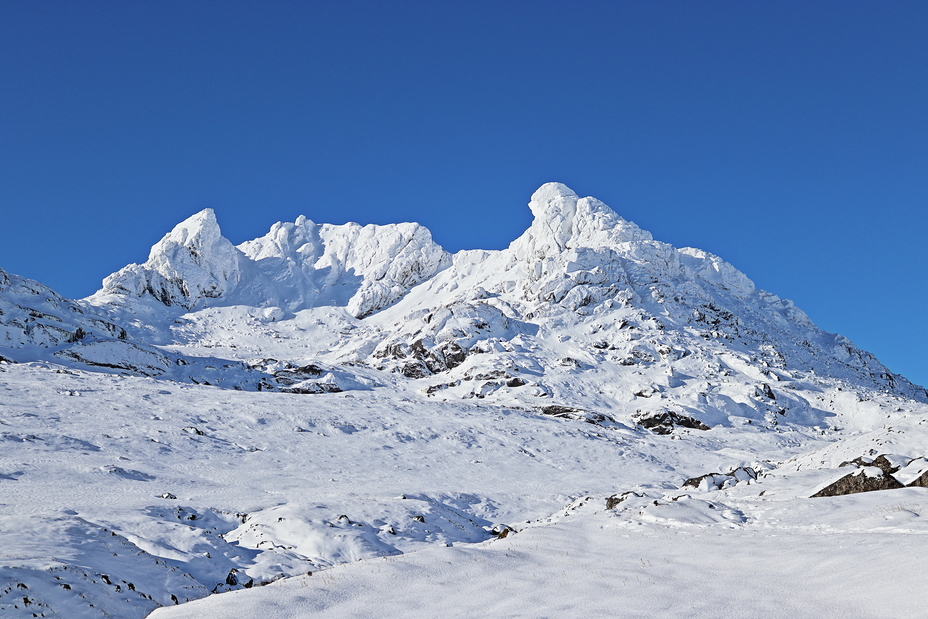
790,138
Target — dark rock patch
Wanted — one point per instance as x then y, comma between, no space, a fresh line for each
665,422
423,358
567,412
502,531
881,462
491,375
615,499
859,481
919,482
414,369
765,391
311,388
293,375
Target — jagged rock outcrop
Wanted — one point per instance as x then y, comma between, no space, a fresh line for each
32,314
665,422
867,479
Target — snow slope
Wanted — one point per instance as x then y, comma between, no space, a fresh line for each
354,402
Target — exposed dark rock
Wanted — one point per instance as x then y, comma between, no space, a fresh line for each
310,369
919,482
433,389
615,499
515,382
414,369
765,391
304,372
665,422
310,388
491,375
262,364
859,481
557,410
393,351
567,412
501,531
881,461
418,350
453,355
424,358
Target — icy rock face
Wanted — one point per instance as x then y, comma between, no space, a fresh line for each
388,261
577,241
192,262
295,265
583,274
32,314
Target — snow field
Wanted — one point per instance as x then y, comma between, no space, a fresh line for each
643,424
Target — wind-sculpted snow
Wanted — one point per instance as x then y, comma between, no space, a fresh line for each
585,285
220,418
295,266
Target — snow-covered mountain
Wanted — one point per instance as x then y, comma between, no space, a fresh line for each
581,297
250,412
294,266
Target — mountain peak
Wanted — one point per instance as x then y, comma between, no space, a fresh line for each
191,262
552,199
199,231
563,220
295,266
554,206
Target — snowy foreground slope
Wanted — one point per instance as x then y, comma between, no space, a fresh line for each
587,422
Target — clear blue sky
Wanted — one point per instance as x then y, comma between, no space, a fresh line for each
790,138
